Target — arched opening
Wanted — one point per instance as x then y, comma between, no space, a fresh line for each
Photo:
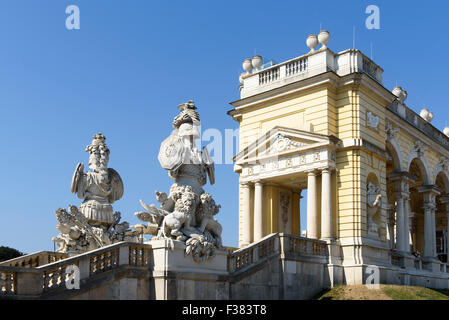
415,203
441,223
393,165
393,161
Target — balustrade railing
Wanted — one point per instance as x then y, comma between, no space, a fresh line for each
35,260
7,282
104,261
415,120
54,276
299,246
245,257
307,66
268,76
296,67
139,256
370,68
31,280
271,245
284,70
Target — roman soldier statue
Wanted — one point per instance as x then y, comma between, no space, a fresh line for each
93,224
186,214
100,187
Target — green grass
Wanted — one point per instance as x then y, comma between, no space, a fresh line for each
414,293
386,292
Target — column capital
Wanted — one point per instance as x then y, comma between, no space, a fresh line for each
444,199
245,184
313,172
258,183
429,189
401,176
429,207
329,169
402,195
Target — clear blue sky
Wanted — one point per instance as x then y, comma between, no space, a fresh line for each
132,62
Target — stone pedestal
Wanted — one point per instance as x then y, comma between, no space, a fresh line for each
408,261
431,264
179,277
170,256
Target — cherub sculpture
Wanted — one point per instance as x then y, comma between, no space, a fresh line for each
186,213
93,224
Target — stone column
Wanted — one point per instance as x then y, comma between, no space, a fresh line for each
445,201
406,199
246,190
412,218
312,221
429,194
258,211
401,189
390,224
400,229
434,234
326,205
296,214
428,252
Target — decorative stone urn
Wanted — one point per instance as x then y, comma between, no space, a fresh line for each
446,131
247,65
312,42
400,93
324,37
257,61
426,115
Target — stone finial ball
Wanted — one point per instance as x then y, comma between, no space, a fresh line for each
400,93
324,37
446,131
257,61
426,115
247,65
312,41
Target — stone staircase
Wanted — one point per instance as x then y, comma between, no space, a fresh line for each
126,271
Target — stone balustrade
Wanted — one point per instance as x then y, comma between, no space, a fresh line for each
33,281
8,280
416,121
244,258
275,245
299,246
35,260
307,66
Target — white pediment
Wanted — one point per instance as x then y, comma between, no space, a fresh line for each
281,141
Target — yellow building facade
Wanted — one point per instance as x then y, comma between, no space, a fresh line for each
374,170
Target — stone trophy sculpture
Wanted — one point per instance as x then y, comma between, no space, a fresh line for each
374,204
93,224
186,214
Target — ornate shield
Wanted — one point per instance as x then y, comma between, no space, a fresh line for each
171,153
76,177
210,167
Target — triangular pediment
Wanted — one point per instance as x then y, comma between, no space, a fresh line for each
282,141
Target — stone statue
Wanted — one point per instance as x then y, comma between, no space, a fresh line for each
93,224
186,214
374,204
